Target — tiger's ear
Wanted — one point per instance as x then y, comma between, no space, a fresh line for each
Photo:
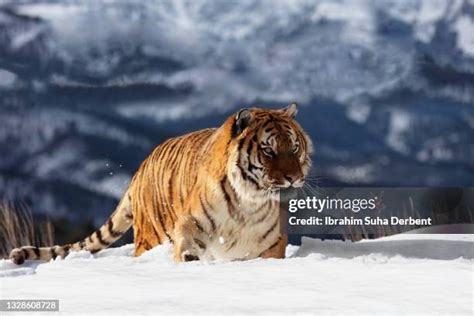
242,121
291,110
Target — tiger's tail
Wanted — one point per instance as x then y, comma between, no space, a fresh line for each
117,225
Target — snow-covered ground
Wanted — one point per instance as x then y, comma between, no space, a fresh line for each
416,274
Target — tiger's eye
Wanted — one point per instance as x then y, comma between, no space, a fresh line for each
268,151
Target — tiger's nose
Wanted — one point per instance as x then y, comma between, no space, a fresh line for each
293,177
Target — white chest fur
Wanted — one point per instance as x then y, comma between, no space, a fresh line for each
245,236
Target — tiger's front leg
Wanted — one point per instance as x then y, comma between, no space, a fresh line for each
188,243
277,251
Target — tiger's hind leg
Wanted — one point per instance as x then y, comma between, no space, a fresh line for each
146,236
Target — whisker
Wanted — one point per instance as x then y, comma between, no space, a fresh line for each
310,189
315,189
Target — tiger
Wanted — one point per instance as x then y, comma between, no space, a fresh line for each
213,194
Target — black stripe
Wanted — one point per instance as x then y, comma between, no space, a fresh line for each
269,230
171,159
171,166
246,176
110,228
271,135
66,248
36,250
93,251
262,207
198,225
227,198
232,245
274,244
209,217
200,243
258,158
262,218
252,166
26,253
239,159
265,124
170,191
231,203
226,195
128,216
242,171
154,203
160,218
249,149
141,203
98,235
53,252
159,195
239,148
300,136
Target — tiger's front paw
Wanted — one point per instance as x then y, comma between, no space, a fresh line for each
17,255
186,256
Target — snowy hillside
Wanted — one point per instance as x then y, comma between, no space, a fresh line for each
422,274
88,88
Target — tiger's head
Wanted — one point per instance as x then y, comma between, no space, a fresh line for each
271,151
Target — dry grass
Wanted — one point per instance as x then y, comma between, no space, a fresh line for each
17,228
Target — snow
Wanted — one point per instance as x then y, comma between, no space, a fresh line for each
399,274
358,113
361,173
24,38
430,13
464,27
358,17
400,122
7,79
